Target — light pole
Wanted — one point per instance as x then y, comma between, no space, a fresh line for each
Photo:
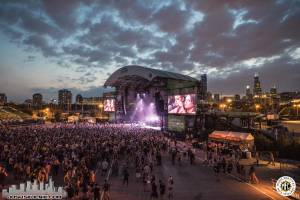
257,107
100,107
228,101
222,106
46,112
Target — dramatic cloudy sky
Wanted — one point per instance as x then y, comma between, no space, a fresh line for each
47,45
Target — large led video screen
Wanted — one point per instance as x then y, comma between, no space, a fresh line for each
109,105
182,104
176,123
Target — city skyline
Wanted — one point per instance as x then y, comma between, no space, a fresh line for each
47,46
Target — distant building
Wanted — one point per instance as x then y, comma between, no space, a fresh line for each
237,97
209,97
28,103
79,99
288,96
216,98
64,99
53,101
273,91
37,100
248,92
3,99
203,88
257,87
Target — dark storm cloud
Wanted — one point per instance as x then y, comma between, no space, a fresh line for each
171,18
132,10
12,33
42,44
213,36
29,18
217,42
62,13
37,25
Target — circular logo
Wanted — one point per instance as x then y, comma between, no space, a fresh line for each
285,186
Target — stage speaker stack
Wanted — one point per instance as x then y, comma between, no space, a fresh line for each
159,103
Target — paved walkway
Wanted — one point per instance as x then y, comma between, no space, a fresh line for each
192,182
264,172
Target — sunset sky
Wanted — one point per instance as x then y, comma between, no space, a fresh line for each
54,44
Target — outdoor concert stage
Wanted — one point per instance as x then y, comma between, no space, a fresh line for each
150,96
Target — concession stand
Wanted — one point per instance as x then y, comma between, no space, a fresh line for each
245,141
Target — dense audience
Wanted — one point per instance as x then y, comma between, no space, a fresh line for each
75,154
78,152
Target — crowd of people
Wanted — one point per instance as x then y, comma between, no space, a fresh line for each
82,152
225,158
78,152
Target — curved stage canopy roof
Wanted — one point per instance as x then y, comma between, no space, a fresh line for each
138,73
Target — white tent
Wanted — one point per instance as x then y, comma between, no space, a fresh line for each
232,137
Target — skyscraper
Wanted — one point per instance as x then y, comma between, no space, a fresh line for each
216,98
257,88
3,99
37,100
273,90
64,98
248,91
203,87
237,97
79,99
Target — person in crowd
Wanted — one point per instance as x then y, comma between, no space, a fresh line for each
179,158
223,164
96,192
137,174
252,175
272,160
154,193
243,173
162,189
106,189
3,175
70,191
125,177
104,167
216,169
170,187
174,153
229,167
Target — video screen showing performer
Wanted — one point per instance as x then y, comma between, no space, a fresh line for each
109,105
182,104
